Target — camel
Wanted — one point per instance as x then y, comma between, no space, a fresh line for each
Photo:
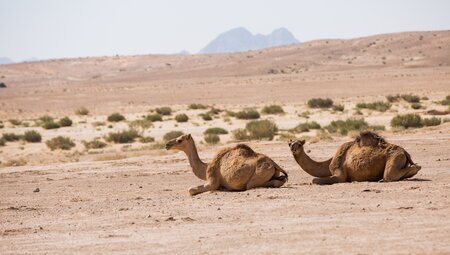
368,158
236,168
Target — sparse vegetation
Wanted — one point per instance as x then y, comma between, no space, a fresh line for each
2,142
50,125
82,111
214,111
65,122
140,125
272,109
116,117
60,142
171,135
205,116
32,136
338,107
215,131
410,98
320,103
344,126
261,129
154,117
181,117
247,114
446,101
393,98
197,106
241,134
377,106
46,118
416,106
146,139
125,136
305,127
164,110
377,127
212,138
94,144
15,122
410,120
11,137
433,121
98,123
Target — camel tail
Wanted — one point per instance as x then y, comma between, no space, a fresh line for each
277,167
408,159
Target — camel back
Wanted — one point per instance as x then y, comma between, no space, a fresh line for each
244,150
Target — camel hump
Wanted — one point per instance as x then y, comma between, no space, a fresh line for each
245,150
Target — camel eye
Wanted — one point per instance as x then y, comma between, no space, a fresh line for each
178,141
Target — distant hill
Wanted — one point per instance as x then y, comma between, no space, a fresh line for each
5,60
240,39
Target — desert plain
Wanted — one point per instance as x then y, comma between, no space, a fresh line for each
132,198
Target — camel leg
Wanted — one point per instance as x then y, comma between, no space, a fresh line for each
209,186
262,176
339,175
394,170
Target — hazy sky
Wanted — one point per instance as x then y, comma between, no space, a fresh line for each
71,28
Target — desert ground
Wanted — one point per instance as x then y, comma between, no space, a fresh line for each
132,198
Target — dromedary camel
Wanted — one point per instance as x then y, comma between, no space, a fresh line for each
368,158
236,168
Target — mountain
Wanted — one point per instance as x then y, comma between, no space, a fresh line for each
240,39
4,61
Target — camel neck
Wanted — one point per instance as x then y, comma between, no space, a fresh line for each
198,166
314,168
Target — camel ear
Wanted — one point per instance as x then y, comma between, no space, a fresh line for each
302,142
188,137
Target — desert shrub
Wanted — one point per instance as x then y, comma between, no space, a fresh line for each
140,125
164,110
181,117
94,144
393,98
214,111
241,134
146,139
65,122
32,136
1,125
197,106
154,117
261,129
425,98
338,107
82,111
247,114
125,136
60,142
305,127
50,125
446,101
344,126
98,123
215,131
212,139
15,122
206,116
2,142
377,106
416,106
320,103
45,118
11,137
272,109
433,121
171,135
410,98
116,117
2,85
410,120
377,127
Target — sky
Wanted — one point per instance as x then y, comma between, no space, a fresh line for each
46,29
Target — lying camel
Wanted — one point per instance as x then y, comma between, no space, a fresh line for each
236,168
368,158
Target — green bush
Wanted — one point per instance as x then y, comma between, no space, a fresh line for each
241,134
171,135
94,144
65,122
11,137
46,118
410,120
214,111
154,117
338,107
416,106
50,125
116,117
164,110
146,139
197,106
410,98
32,136
125,136
215,131
446,101
181,117
272,109
60,142
15,122
247,114
212,139
261,129
320,103
433,121
82,111
377,106
305,127
206,116
393,98
344,126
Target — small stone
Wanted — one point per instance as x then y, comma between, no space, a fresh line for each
36,190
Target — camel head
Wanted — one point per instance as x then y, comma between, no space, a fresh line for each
180,143
296,145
